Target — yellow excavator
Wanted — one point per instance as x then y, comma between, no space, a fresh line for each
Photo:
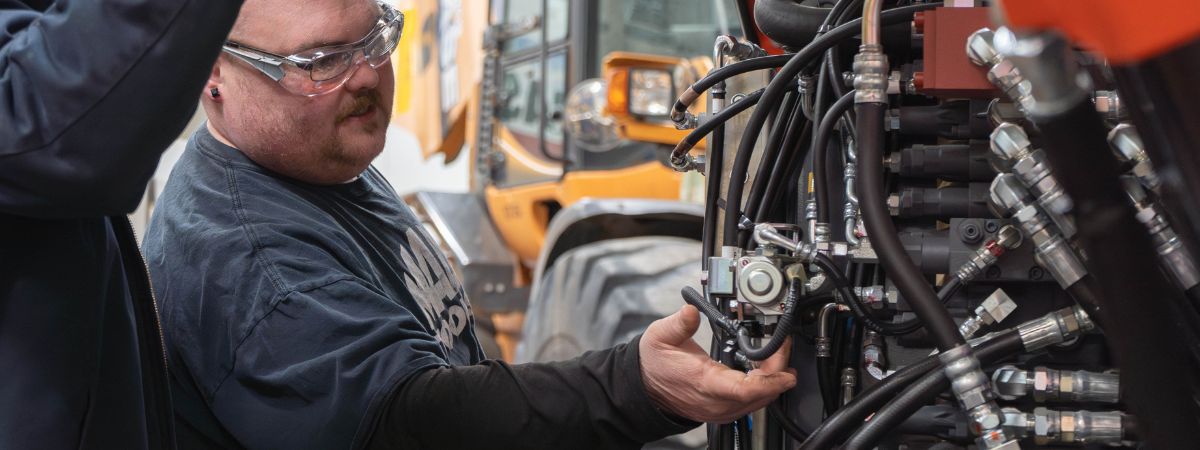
575,233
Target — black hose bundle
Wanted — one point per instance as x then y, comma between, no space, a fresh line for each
926,390
679,153
878,222
852,415
772,95
821,150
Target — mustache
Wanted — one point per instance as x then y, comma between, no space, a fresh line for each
360,104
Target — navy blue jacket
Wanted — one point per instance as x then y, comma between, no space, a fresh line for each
292,312
91,92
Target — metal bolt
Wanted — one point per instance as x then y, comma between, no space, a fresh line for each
992,272
970,232
1036,273
990,226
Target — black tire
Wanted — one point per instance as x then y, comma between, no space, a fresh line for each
602,294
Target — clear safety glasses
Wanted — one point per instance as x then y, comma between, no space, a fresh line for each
321,70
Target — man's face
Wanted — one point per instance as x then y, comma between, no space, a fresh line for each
326,139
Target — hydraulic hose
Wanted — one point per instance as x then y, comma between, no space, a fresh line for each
788,22
771,96
852,415
789,427
783,328
679,153
691,297
853,301
782,126
878,222
692,93
821,150
894,413
926,390
793,150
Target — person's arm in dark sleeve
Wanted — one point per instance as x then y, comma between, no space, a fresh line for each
92,92
596,401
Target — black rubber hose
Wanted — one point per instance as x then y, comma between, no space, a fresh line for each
783,328
821,151
758,191
922,392
714,316
951,287
1086,293
856,306
716,121
788,22
852,415
789,427
724,73
712,194
770,152
777,87
794,150
901,407
878,222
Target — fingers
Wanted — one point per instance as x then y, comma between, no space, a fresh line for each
729,384
675,329
779,361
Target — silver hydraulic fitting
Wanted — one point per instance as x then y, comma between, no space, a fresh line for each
873,355
870,74
1051,249
1055,328
995,308
761,284
1048,63
1001,72
972,389
1128,145
1008,238
850,208
1045,384
1173,256
1110,107
684,119
824,342
849,381
1047,426
1010,144
767,234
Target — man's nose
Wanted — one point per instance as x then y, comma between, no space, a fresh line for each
363,76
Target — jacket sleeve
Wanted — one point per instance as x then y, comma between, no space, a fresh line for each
91,93
596,401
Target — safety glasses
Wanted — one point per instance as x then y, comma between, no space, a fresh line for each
322,70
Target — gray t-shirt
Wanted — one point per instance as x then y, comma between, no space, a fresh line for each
291,311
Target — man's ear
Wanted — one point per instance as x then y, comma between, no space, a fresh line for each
212,88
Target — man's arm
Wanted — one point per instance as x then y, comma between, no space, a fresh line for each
596,401
601,400
91,93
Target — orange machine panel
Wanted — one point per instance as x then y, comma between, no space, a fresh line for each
947,71
1123,31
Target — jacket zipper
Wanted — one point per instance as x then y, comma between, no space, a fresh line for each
157,393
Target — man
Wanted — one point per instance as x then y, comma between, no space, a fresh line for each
305,307
91,92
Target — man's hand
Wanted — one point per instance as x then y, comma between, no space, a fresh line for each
682,379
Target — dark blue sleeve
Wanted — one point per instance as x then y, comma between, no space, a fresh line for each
317,370
91,93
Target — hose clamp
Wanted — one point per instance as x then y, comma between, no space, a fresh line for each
870,75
